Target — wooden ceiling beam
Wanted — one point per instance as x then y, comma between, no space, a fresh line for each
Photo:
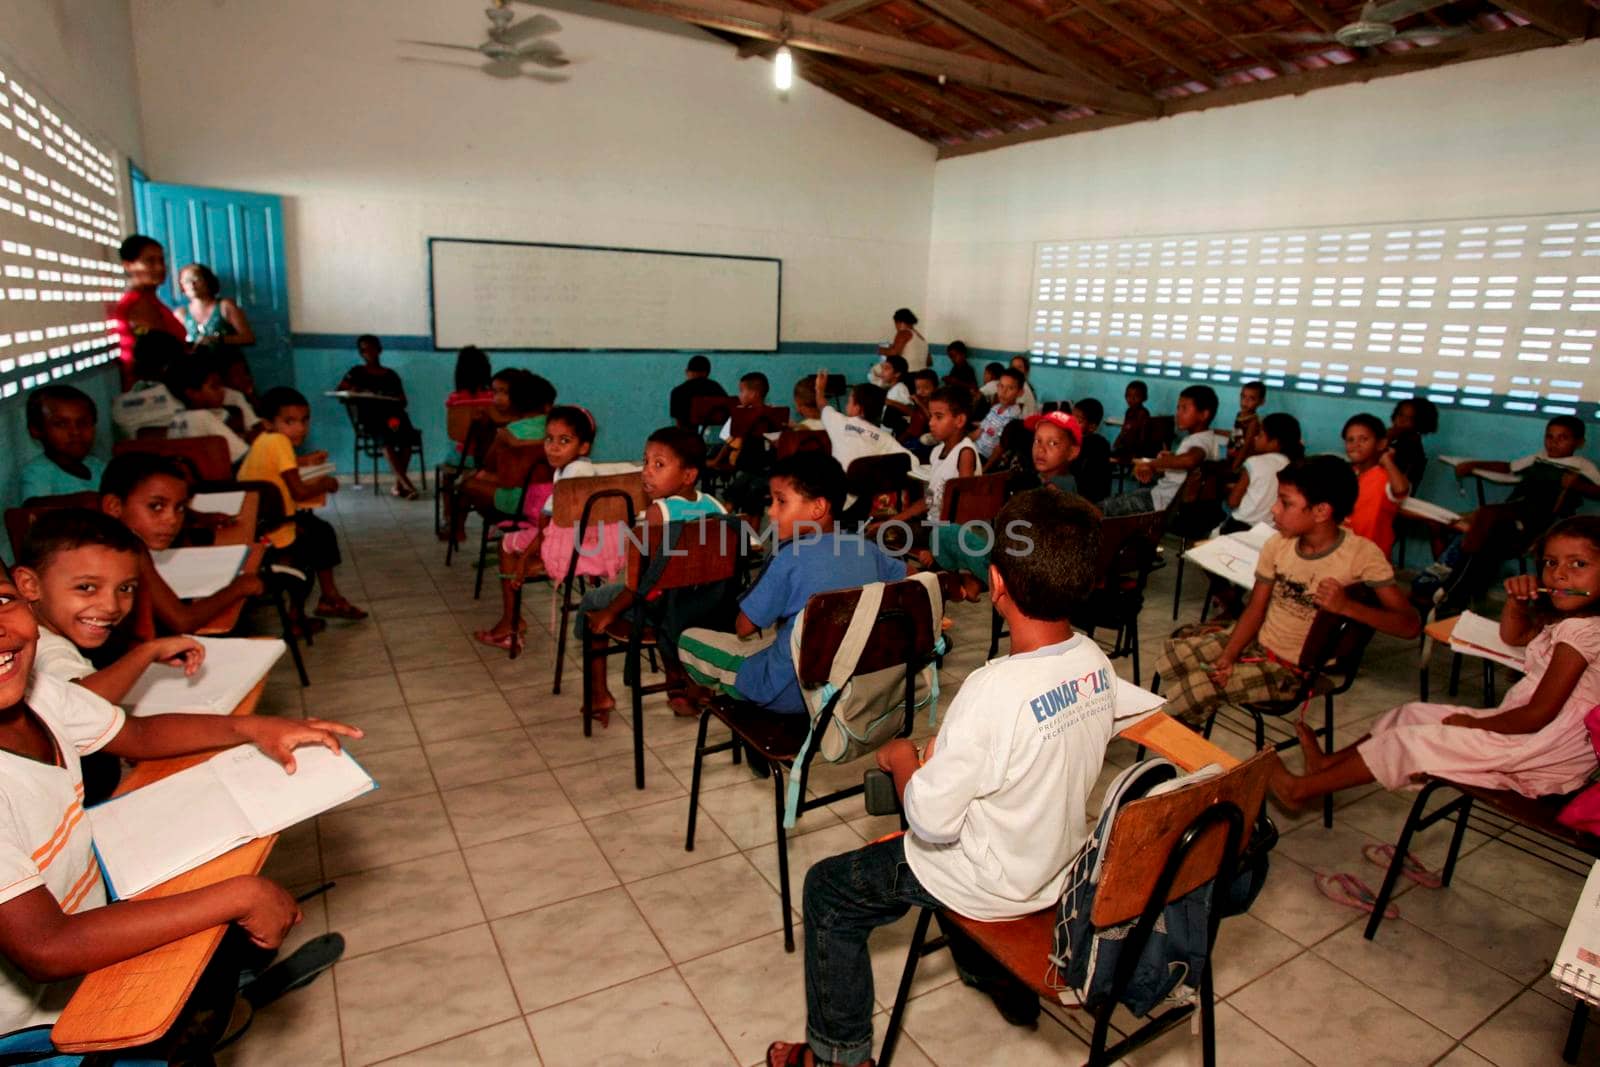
1317,14
1569,20
1063,59
1224,26
1446,53
800,31
950,97
874,87
840,10
1147,40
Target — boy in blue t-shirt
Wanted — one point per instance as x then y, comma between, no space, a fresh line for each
62,419
808,490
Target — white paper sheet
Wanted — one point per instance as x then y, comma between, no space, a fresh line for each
1426,509
1227,557
1134,702
232,667
198,572
1475,635
218,503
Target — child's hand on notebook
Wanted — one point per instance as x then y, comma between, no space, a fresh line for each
279,738
184,653
266,911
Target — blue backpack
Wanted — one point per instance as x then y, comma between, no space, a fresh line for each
1084,958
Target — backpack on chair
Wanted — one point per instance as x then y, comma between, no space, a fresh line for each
868,709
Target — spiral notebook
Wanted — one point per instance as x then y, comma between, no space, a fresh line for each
1577,966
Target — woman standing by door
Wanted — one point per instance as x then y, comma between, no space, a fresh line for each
210,318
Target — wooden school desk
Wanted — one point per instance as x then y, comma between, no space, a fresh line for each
136,1001
1166,736
225,621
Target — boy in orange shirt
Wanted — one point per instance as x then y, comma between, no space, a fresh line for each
1382,484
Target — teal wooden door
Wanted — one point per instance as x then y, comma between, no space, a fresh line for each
238,235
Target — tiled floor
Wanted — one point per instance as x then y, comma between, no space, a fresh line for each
508,897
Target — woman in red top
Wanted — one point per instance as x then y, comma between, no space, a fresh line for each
140,311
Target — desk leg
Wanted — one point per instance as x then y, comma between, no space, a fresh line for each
1580,1019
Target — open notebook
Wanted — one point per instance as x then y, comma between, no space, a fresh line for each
174,825
232,667
198,572
1233,556
314,470
1475,635
1577,965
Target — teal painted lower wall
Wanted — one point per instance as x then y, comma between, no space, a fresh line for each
626,391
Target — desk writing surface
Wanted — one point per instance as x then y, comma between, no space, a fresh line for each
134,1002
1166,736
226,620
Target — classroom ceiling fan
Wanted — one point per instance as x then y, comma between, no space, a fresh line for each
510,45
1375,26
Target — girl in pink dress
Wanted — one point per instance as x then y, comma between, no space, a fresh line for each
1535,742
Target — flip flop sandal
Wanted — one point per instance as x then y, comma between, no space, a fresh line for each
298,969
1411,867
244,1013
504,641
1352,892
339,609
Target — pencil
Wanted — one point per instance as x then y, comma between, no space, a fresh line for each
1564,592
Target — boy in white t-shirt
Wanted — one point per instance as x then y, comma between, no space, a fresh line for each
997,805
198,387
1163,476
55,923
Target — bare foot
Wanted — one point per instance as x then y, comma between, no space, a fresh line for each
601,711
1316,759
1285,789
971,588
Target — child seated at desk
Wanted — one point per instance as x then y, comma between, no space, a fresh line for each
1025,395
805,405
55,922
1303,568
1131,440
382,420
1164,475
62,419
812,556
673,459
1006,408
149,494
997,804
1555,481
1092,468
953,456
1411,421
1251,396
197,384
79,571
148,404
1382,484
522,399
569,436
855,434
697,383
753,389
1536,742
305,542
1276,445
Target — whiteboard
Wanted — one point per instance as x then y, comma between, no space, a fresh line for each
509,295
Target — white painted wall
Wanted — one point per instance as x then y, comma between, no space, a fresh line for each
79,52
659,140
1504,136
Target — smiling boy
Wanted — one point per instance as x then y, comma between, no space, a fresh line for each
62,419
79,570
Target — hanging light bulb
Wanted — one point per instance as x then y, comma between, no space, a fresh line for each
783,70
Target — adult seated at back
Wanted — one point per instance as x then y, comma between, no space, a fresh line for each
387,421
140,311
209,318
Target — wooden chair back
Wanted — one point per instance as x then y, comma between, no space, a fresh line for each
1147,830
19,520
792,441
521,464
711,410
1335,643
609,498
761,419
1204,484
978,498
1128,545
707,550
870,475
207,457
1159,432
889,645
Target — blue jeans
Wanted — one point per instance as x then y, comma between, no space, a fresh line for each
846,898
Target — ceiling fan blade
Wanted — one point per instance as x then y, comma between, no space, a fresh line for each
438,63
441,44
532,26
1434,33
548,79
544,53
1288,37
503,68
1395,10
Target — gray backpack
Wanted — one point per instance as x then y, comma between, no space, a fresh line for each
868,708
